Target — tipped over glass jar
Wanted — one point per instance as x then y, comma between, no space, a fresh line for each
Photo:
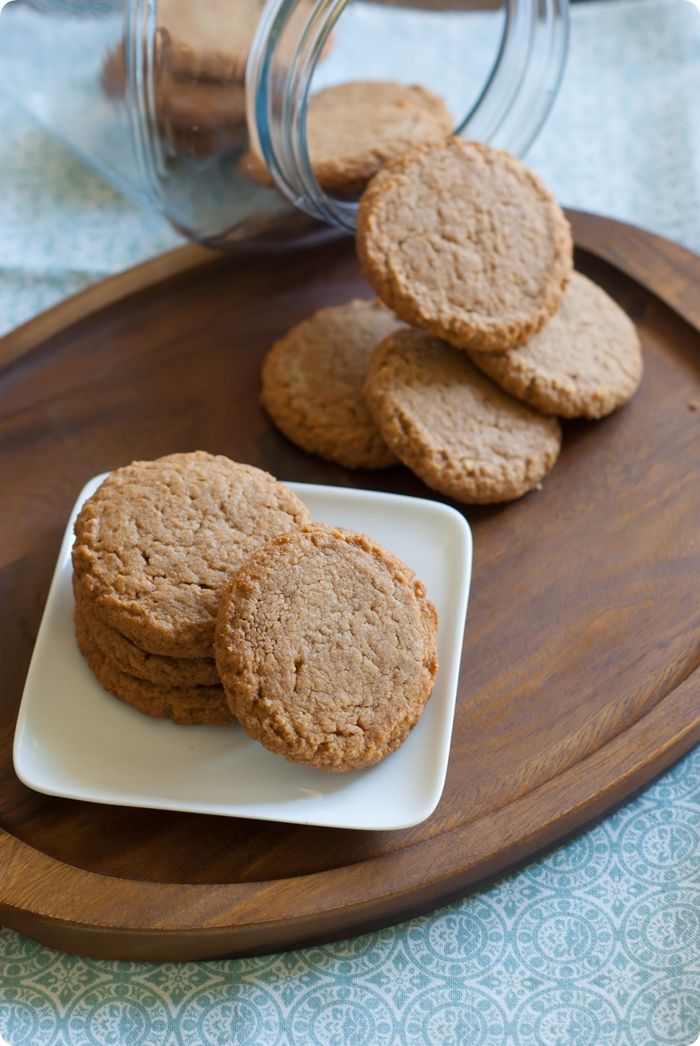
256,123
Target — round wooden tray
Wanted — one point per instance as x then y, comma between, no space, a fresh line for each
580,677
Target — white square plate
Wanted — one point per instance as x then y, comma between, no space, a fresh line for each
75,740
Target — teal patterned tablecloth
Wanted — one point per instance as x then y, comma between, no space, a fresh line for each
596,944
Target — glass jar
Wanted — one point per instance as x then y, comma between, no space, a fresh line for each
170,99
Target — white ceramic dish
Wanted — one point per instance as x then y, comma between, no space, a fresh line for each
75,740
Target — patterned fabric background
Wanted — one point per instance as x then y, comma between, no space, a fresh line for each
597,944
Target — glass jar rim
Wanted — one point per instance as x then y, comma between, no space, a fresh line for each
508,113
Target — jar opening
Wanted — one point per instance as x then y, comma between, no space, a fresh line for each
520,51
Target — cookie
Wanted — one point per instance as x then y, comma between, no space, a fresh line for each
209,41
159,539
312,384
354,128
453,427
326,646
200,117
195,116
184,705
127,657
187,46
585,363
466,242
113,76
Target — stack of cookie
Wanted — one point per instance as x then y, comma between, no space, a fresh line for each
199,78
493,337
204,593
153,548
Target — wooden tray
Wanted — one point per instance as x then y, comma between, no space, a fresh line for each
580,677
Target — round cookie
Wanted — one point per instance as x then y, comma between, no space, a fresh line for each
200,117
127,657
184,705
312,384
207,41
585,363
466,242
326,646
159,539
453,427
354,128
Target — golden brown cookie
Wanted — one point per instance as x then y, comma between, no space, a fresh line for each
585,363
207,41
203,43
194,43
201,117
127,657
354,128
312,383
453,427
184,705
195,116
327,648
113,77
158,540
466,242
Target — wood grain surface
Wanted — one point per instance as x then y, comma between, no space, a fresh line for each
579,678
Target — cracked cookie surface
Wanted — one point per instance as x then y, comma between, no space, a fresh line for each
452,426
184,705
466,242
312,384
327,648
585,363
158,540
